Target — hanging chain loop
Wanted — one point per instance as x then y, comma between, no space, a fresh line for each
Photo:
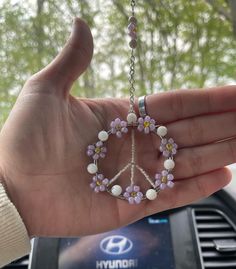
132,80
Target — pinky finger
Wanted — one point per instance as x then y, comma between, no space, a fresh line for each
190,190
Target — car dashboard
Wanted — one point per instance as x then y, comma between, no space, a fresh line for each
198,236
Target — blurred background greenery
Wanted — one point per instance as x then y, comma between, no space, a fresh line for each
184,44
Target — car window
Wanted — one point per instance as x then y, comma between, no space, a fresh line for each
182,44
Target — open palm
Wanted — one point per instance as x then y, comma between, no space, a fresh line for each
43,148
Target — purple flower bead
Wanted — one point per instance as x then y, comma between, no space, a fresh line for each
99,183
168,147
118,127
97,150
133,194
132,27
133,35
164,179
146,124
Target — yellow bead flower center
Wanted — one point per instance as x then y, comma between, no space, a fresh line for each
133,194
164,179
118,127
146,124
97,150
98,183
169,146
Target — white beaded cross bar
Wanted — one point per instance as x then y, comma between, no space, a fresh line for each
132,193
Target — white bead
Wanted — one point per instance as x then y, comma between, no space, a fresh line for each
131,118
169,164
103,136
92,168
116,190
161,130
151,194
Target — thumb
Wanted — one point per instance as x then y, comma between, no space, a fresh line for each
73,60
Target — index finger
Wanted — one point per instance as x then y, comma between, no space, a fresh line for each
180,104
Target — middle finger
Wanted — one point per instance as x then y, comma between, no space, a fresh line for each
195,161
202,130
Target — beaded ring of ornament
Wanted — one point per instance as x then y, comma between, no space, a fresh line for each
132,193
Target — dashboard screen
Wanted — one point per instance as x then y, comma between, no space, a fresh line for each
144,244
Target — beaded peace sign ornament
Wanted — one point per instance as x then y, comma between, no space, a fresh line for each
119,128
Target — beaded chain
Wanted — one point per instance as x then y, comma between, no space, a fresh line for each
120,129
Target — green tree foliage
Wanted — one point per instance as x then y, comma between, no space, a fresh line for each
183,44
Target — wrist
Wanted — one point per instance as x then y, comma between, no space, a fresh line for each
3,183
15,241
10,192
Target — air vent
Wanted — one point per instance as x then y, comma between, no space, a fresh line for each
216,236
19,264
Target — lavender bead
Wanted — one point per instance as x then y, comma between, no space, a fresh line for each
129,189
137,200
174,151
140,194
100,176
89,152
140,128
170,184
136,188
126,194
123,124
102,188
162,186
131,200
102,155
103,149
164,172
140,120
97,189
95,156
99,144
117,121
124,130
146,130
105,181
92,185
166,153
170,177
132,27
113,124
118,134
152,127
133,35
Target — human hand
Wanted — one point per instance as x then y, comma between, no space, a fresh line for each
44,140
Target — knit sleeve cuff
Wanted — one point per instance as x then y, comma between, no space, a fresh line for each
14,239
